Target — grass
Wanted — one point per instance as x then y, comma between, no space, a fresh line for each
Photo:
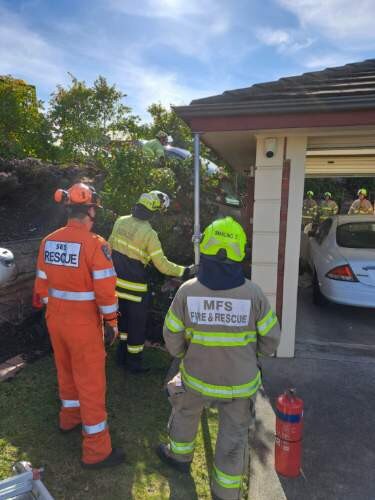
138,412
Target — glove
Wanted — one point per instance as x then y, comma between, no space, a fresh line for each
190,272
37,302
110,333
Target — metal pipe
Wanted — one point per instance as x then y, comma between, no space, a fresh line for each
197,230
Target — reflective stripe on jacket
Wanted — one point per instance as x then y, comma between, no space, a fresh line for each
328,208
137,240
75,274
219,334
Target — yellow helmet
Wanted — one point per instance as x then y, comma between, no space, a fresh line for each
362,191
224,234
154,200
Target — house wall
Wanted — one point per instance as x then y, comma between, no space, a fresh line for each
267,199
266,242
295,152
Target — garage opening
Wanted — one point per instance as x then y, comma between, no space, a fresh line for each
337,261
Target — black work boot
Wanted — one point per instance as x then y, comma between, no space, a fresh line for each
116,457
134,364
162,452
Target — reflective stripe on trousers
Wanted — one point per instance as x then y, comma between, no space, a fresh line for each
227,480
181,448
70,403
95,429
135,349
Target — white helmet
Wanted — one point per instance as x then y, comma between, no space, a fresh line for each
7,266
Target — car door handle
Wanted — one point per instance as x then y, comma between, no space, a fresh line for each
369,268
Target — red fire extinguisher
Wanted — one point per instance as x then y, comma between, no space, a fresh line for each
289,426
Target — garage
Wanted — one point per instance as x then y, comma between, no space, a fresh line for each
317,125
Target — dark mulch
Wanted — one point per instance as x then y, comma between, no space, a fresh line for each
29,339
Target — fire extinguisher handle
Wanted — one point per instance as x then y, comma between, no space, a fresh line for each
292,392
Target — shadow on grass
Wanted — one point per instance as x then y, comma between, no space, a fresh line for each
138,413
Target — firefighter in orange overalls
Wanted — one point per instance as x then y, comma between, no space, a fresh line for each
76,279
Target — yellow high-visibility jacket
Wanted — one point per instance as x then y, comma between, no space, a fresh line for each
136,239
154,148
328,208
361,208
218,334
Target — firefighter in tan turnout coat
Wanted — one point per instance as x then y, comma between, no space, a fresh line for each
218,324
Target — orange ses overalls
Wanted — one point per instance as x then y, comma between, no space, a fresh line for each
76,279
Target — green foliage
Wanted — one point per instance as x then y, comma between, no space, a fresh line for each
24,130
130,173
169,122
138,414
82,119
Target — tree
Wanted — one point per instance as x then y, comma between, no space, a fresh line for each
169,122
83,118
130,173
24,130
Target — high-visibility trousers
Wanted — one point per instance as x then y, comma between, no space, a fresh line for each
80,361
132,327
231,454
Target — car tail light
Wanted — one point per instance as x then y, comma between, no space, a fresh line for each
342,273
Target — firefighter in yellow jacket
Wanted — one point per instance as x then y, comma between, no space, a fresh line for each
218,324
328,207
309,209
135,244
361,206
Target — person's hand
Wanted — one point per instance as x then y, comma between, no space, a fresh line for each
190,272
110,333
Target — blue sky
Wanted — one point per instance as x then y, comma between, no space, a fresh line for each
173,51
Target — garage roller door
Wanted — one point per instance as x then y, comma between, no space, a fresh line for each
340,166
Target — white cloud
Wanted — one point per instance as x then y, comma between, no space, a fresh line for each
172,9
272,37
189,27
147,85
285,41
26,54
347,20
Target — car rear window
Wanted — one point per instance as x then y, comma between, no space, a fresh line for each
356,235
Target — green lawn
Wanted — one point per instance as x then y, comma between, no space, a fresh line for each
138,413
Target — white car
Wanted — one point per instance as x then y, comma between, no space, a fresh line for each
342,259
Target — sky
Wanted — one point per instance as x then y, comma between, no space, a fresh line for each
174,51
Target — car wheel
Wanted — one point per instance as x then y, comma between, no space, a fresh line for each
317,297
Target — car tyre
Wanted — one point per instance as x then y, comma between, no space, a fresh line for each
317,297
